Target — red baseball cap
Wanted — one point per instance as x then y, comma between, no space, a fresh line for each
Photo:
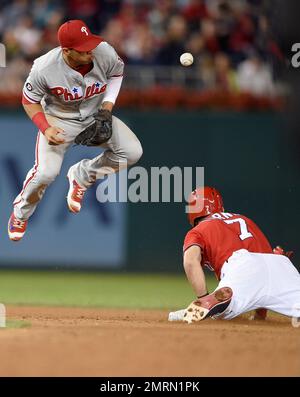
76,35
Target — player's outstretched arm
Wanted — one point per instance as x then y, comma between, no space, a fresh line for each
193,270
36,114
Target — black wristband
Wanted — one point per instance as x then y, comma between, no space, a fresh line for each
198,297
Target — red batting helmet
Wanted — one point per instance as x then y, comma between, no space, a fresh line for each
202,202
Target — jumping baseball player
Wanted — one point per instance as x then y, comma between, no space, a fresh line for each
251,276
69,95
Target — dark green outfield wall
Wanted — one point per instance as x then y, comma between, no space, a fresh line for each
249,157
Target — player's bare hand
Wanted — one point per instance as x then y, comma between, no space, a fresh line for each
51,134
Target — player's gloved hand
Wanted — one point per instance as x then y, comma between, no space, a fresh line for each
97,133
51,135
259,314
104,123
280,251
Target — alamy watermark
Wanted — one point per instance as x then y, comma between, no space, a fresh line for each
2,316
296,317
295,61
2,56
154,185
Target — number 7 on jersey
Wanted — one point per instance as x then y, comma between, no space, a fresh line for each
244,233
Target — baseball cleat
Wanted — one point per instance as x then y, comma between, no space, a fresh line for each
209,305
75,194
16,228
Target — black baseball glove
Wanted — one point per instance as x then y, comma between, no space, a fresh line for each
97,133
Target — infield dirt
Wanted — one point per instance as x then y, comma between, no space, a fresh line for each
111,342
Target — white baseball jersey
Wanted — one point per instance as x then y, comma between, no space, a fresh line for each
65,93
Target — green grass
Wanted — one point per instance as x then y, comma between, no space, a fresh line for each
147,291
17,324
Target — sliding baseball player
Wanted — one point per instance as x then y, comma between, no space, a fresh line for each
251,275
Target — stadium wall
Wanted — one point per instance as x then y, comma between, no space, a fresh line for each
248,156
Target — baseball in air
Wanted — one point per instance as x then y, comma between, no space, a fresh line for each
186,59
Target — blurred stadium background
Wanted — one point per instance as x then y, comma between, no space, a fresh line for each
225,113
232,41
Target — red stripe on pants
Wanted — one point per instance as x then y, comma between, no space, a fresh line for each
35,167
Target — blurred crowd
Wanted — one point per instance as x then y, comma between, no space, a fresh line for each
231,41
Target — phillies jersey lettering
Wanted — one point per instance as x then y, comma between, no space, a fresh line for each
63,92
77,93
220,235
